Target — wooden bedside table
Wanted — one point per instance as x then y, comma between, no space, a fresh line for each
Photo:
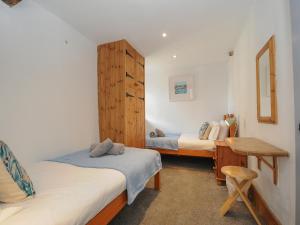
224,156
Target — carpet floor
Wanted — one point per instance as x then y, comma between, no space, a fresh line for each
189,195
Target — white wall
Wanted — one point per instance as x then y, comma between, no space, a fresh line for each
268,17
48,89
209,104
295,5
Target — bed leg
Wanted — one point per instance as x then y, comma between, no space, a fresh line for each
157,181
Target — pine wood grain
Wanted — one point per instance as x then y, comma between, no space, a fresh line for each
273,118
121,94
254,147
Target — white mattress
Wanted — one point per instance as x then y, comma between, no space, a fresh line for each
65,195
192,142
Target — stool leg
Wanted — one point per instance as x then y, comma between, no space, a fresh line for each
247,202
231,199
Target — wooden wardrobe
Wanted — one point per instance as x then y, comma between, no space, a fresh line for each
121,94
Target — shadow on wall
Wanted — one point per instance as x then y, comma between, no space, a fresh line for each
152,124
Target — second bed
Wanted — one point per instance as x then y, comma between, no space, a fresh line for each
187,144
184,144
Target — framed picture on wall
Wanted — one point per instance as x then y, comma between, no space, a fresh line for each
181,88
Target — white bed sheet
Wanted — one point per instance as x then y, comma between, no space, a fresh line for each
192,142
65,195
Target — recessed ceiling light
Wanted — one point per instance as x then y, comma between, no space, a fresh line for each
174,56
164,35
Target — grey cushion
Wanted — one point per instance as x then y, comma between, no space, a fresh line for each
203,128
152,134
117,149
93,146
102,148
159,133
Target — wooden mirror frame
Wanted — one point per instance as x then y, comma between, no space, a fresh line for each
11,2
270,45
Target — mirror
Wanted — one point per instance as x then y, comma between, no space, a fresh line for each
11,2
265,83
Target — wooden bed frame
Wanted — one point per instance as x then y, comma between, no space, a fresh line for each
198,153
116,205
187,152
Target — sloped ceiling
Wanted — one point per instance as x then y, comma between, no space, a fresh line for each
199,31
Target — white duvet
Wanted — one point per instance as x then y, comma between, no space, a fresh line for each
65,195
192,142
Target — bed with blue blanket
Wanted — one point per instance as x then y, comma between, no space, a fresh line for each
138,166
186,144
169,142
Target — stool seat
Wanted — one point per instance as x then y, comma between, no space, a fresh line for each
239,172
242,178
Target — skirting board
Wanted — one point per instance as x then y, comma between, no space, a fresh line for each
262,208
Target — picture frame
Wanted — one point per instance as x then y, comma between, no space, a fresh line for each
181,88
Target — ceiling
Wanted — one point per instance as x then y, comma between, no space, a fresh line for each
199,31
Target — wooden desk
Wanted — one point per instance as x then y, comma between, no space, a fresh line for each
258,148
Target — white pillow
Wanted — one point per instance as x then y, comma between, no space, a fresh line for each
213,123
224,129
214,133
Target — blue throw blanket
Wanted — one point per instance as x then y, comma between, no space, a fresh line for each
138,165
170,142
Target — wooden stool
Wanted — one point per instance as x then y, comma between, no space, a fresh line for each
246,176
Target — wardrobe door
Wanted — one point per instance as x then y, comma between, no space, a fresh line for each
140,122
113,95
135,107
111,91
130,120
130,101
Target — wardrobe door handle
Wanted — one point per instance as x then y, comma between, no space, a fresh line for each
129,95
127,53
141,64
128,75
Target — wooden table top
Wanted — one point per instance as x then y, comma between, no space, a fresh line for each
254,147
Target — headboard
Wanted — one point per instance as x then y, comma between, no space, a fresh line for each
233,126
